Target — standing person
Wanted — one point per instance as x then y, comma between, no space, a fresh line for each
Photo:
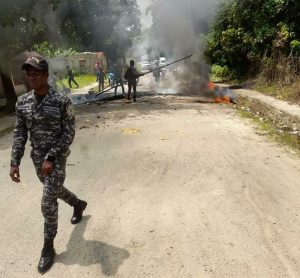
49,119
119,79
131,75
156,75
97,69
111,78
100,79
71,77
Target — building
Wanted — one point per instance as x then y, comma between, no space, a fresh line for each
81,63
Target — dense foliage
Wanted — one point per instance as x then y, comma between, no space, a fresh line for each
90,25
246,32
94,25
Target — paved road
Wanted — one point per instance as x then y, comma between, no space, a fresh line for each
176,188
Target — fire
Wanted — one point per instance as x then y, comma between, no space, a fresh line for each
221,95
224,99
211,86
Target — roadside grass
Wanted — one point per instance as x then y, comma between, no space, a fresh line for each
266,127
290,93
82,80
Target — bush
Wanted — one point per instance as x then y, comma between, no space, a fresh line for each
280,70
220,72
49,50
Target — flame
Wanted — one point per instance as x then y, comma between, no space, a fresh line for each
225,99
211,86
219,98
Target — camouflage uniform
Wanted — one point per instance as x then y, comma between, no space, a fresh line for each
51,125
119,80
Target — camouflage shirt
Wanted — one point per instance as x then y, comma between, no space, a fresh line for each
50,124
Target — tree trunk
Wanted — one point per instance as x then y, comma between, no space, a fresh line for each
9,91
5,74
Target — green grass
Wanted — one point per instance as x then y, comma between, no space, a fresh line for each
282,137
289,92
82,80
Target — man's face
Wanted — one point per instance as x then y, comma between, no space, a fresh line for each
37,79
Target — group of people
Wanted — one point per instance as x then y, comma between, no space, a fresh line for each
116,78
113,77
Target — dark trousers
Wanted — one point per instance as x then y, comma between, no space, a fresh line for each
132,85
101,85
52,190
119,83
70,80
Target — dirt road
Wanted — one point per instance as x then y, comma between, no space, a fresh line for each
175,188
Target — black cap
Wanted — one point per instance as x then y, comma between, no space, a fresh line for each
36,62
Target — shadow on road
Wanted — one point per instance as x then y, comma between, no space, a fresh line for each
88,252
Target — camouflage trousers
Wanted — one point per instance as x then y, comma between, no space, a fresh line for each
52,190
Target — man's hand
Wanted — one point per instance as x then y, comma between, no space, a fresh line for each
15,173
47,168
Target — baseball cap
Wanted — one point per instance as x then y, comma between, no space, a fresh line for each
38,63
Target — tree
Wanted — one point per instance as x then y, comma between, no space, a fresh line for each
94,25
19,26
245,32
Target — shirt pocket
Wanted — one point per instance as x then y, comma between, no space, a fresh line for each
26,111
51,115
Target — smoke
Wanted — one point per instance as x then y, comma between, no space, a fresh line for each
146,19
178,29
177,25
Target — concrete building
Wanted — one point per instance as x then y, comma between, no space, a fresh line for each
82,63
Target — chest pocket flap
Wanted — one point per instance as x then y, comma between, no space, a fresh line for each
52,112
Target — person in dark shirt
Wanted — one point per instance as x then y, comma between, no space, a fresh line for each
119,79
131,75
100,78
71,77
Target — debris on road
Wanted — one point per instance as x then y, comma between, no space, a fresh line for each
131,131
84,126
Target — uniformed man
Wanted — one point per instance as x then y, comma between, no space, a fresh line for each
100,78
49,119
119,79
131,75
